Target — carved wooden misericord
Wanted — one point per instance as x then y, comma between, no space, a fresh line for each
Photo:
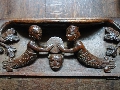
60,47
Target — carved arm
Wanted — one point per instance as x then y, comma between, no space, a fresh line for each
35,47
78,45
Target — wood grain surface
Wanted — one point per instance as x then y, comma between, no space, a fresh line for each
58,9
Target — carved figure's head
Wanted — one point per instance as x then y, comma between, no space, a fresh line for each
72,33
55,61
35,32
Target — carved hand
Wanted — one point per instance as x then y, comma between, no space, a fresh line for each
61,47
49,47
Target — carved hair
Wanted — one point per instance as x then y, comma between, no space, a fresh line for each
74,30
34,29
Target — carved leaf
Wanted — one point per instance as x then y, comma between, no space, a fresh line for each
10,51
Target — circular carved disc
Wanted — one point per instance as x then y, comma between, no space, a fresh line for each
55,41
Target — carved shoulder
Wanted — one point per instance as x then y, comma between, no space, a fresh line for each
31,43
79,44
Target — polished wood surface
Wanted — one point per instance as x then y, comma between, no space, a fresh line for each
58,9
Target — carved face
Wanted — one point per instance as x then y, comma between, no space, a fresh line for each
35,32
55,61
72,33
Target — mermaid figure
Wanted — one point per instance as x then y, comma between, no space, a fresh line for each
31,53
83,55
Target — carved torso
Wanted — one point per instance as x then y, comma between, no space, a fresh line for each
28,56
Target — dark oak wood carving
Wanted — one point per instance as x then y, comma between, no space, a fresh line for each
114,36
8,37
35,32
55,55
82,53
56,47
